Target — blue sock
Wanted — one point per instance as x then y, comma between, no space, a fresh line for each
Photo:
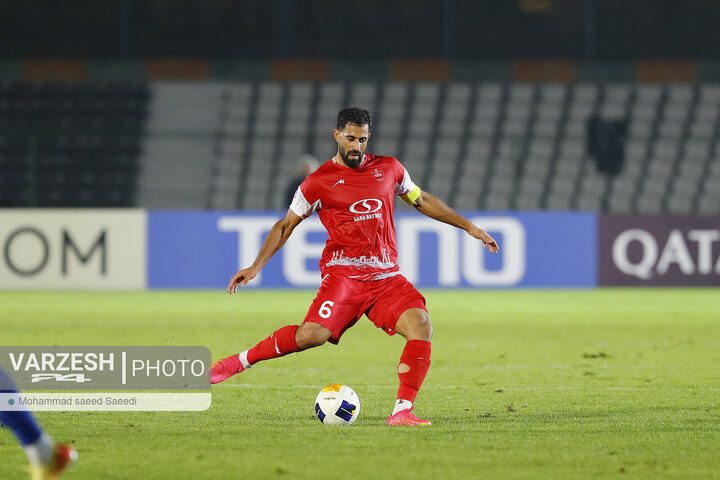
22,423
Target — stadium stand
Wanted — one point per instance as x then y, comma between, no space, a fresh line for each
490,145
487,145
70,144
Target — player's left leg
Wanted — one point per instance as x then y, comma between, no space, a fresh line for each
47,459
414,325
400,308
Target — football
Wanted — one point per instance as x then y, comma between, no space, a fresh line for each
337,405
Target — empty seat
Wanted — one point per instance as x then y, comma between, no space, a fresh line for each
79,142
620,203
648,94
490,93
458,93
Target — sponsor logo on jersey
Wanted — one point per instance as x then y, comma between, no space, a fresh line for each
377,175
368,205
366,208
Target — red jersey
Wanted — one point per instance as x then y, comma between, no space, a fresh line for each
356,207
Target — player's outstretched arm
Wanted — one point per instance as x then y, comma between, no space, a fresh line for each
433,207
275,239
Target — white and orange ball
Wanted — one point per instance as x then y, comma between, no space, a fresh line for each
337,405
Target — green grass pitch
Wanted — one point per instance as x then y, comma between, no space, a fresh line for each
609,383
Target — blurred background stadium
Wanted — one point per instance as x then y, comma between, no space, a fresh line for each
209,104
600,106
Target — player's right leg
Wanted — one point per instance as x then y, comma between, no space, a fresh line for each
47,459
289,339
334,310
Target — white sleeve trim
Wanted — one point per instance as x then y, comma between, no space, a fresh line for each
406,184
301,207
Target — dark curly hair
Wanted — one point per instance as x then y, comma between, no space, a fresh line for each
358,116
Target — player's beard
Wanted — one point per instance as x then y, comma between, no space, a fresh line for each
352,162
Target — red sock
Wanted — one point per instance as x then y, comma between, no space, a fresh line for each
416,358
280,343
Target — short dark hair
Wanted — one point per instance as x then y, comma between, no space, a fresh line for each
358,116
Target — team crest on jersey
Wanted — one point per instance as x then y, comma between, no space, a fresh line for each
377,175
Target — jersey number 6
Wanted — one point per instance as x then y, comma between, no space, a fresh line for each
324,311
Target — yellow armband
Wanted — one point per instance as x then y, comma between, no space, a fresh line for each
411,197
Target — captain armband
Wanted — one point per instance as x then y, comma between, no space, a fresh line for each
411,197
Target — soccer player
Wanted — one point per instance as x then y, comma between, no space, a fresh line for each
353,194
47,459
